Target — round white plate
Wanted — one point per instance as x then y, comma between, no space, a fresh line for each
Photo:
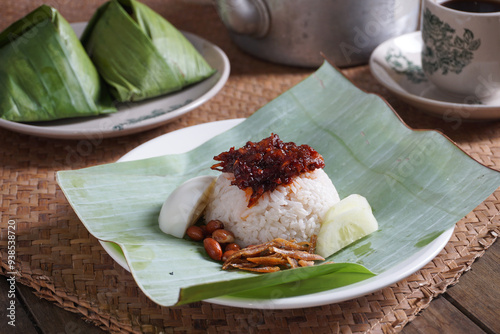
139,116
396,64
191,137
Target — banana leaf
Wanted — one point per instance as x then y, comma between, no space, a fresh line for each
418,183
140,54
45,74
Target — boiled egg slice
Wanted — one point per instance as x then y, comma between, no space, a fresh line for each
185,205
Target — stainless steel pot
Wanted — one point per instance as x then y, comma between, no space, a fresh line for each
296,32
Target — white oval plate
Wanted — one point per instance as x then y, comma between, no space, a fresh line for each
187,139
396,64
139,116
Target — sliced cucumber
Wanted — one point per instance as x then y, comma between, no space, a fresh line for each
345,222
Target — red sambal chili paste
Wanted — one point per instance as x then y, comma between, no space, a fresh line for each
265,165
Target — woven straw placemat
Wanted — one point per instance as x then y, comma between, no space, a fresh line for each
58,258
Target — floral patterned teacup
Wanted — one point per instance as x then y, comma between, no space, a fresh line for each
461,50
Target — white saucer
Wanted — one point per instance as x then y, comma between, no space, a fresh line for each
396,65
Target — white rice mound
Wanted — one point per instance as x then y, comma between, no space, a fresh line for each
289,212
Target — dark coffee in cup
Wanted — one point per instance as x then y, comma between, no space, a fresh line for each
482,6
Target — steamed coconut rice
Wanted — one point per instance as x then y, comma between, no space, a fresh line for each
292,211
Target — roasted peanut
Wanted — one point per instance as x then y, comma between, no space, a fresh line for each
232,246
204,229
227,254
195,233
214,225
223,236
213,248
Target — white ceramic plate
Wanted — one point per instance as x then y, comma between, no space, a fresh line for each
191,137
140,116
396,64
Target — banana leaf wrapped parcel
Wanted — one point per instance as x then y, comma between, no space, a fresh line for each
139,54
45,73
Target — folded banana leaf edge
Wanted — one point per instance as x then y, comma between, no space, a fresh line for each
418,183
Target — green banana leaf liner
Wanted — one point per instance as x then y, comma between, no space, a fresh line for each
418,183
45,73
140,54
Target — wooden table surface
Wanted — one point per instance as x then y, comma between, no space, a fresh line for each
471,306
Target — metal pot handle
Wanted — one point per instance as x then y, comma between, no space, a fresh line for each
245,17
